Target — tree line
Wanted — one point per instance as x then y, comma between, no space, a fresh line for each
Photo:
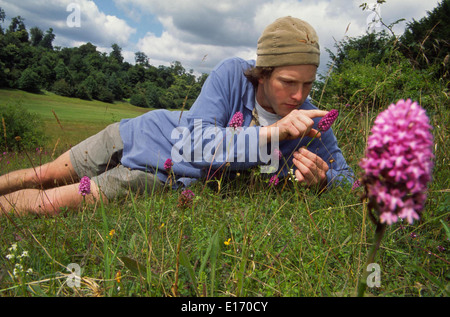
30,62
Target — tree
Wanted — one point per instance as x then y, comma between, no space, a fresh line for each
177,68
141,59
47,40
46,76
116,53
63,73
138,100
81,91
78,64
87,49
427,42
114,85
62,88
18,29
153,93
36,36
136,74
28,81
371,48
17,24
105,95
165,77
90,87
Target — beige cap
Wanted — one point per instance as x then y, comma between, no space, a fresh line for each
288,41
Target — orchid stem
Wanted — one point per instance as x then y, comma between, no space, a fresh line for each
312,139
379,233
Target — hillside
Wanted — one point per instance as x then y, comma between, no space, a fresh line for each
77,118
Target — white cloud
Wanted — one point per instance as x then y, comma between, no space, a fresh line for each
167,48
198,27
95,26
225,23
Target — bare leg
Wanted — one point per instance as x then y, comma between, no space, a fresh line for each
29,191
47,202
52,174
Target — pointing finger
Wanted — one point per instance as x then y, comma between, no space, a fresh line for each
315,113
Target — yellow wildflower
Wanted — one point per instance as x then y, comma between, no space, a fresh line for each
118,276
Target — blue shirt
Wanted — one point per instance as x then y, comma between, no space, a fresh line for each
199,140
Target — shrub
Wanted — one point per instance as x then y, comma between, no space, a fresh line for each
105,95
379,85
82,92
20,129
28,81
139,100
153,94
62,88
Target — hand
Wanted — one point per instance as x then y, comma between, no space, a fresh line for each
297,124
311,169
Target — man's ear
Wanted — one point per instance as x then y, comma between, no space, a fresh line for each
262,79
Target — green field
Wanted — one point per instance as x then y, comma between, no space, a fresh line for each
78,119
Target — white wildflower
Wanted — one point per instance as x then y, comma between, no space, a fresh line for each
292,176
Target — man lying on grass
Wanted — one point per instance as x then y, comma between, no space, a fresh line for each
244,108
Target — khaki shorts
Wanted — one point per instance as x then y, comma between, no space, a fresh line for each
98,157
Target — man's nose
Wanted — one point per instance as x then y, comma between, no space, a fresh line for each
297,95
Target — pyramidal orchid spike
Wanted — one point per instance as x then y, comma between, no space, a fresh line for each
398,162
326,122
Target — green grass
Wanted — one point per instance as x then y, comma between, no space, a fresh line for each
68,119
242,239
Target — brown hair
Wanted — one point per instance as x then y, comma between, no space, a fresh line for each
253,74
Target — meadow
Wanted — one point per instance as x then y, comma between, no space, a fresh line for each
240,238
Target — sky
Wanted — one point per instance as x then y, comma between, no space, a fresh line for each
201,33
